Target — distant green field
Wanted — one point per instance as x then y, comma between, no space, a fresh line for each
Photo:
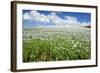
56,44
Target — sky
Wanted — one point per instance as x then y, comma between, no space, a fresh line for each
35,18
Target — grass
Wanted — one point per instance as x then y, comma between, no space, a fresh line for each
56,46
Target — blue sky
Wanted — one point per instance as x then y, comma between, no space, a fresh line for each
33,18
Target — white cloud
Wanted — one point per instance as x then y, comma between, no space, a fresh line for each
86,23
34,13
38,17
26,16
54,18
72,20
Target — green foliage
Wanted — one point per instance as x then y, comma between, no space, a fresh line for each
57,47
